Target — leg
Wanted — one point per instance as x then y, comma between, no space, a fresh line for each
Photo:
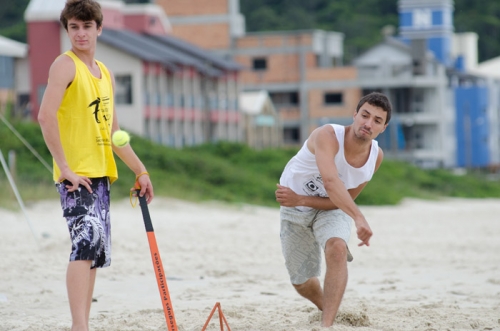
93,273
79,282
335,279
302,254
90,245
312,291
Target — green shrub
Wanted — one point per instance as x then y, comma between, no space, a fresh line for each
230,172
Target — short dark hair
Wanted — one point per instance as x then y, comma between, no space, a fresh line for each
377,99
83,10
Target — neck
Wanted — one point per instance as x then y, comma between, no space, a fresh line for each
86,57
354,144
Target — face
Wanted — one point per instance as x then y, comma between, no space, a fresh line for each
83,35
369,122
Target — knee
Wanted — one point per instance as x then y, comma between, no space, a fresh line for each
335,250
299,287
308,283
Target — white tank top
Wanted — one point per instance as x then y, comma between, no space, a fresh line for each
302,175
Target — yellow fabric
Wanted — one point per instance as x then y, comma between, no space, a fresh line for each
85,120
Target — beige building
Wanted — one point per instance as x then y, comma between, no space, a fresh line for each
209,24
263,127
303,73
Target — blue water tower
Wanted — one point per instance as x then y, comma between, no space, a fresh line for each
428,23
472,126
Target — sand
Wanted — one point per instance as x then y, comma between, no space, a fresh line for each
432,265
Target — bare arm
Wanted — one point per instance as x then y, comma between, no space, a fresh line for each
288,198
128,156
61,74
324,145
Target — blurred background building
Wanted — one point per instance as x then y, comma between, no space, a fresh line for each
167,89
263,127
446,109
14,76
183,68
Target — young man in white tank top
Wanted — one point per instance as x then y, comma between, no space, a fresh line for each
316,194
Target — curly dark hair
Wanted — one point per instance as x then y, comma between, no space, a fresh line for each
377,99
83,10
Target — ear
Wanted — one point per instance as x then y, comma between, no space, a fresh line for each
385,127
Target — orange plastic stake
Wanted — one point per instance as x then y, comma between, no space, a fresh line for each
222,318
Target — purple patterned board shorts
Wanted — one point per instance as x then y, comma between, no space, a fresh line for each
87,216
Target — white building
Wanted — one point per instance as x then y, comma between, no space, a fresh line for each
14,77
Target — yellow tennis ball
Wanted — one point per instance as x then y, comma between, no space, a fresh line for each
120,138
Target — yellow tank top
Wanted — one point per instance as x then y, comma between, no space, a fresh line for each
85,120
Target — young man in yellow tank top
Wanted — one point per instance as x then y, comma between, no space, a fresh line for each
77,118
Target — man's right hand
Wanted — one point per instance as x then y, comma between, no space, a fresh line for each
75,181
363,231
286,197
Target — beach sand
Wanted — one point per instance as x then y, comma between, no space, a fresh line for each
432,265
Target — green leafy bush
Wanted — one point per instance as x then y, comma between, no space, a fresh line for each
230,172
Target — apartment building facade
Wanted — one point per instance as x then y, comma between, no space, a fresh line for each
422,124
301,70
303,73
446,114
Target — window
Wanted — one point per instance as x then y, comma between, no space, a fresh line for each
259,64
318,61
291,135
123,90
333,98
285,98
6,72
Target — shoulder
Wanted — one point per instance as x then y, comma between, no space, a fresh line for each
63,61
62,69
325,132
322,137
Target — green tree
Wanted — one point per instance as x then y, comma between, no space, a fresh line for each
12,19
482,17
361,21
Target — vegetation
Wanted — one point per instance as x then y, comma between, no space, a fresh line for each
361,21
236,173
227,172
12,23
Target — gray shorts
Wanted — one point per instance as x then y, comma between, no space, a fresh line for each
303,235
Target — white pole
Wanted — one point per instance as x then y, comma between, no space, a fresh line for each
18,197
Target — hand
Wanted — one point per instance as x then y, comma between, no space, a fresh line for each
286,197
144,183
363,231
75,181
